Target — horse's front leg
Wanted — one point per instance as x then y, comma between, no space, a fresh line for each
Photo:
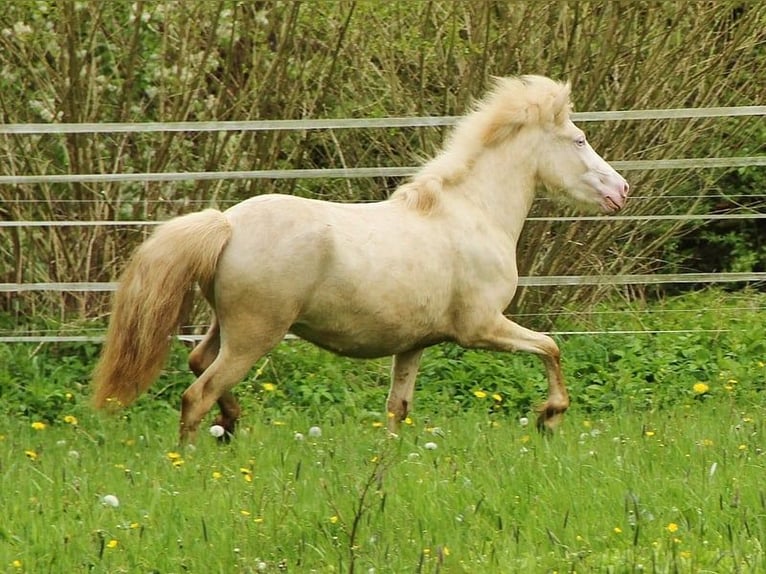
403,373
505,335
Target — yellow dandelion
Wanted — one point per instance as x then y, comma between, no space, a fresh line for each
16,563
426,551
707,442
31,454
742,447
617,530
649,433
334,519
390,414
172,455
408,421
178,462
269,387
377,424
480,394
672,528
700,388
112,543
445,550
39,425
216,475
244,512
497,397
278,423
134,525
70,420
258,519
374,459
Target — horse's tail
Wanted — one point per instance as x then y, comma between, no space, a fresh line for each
152,298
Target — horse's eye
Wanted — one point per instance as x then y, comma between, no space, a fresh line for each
580,141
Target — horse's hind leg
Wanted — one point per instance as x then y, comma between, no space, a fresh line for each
505,335
403,373
201,357
238,352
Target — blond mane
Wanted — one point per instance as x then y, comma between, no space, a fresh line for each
512,104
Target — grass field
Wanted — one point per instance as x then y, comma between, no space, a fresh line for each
660,473
680,491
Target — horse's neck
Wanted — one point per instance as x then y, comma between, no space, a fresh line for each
503,191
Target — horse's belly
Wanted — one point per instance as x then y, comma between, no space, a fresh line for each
361,343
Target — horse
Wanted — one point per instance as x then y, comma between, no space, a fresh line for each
435,262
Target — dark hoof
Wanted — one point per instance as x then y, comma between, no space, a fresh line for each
548,419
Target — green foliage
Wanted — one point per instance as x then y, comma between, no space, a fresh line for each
97,62
711,337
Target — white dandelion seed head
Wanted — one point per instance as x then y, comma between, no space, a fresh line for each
315,432
430,446
298,436
413,456
217,431
74,454
523,421
110,500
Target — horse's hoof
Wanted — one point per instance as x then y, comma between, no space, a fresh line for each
543,427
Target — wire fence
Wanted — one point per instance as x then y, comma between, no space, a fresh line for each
371,172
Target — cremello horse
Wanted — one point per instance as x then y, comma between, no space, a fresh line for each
435,262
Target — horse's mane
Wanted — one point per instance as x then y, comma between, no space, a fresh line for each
511,104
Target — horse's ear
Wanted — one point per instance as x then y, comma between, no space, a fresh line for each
561,103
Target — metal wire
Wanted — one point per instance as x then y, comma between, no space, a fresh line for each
357,123
345,173
539,281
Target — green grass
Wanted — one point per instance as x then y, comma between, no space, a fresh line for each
493,496
648,473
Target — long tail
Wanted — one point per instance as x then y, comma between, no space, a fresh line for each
152,299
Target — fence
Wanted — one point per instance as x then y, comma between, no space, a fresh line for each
369,172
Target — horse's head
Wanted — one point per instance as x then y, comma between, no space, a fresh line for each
526,119
566,161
